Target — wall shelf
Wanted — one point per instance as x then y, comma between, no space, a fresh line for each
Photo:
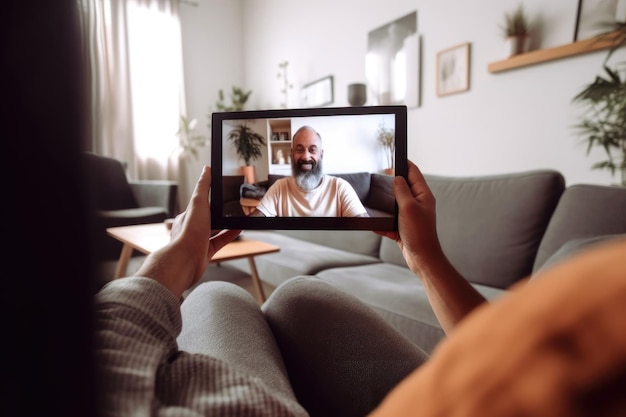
550,54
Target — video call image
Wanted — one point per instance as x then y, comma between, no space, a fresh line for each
338,165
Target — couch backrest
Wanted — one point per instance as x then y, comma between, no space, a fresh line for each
583,211
490,227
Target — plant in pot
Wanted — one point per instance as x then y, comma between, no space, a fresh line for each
248,145
238,98
387,138
188,140
604,122
516,31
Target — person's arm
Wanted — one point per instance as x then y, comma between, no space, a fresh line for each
180,264
137,319
450,294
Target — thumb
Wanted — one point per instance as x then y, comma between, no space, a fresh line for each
402,191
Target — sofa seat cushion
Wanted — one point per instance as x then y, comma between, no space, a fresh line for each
296,257
398,296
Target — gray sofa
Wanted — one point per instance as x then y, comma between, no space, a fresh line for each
496,230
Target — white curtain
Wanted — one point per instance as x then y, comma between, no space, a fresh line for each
137,89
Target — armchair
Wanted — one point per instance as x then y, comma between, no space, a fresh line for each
116,201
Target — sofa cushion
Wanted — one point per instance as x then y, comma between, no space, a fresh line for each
297,257
360,182
362,242
583,211
574,247
398,296
490,227
380,196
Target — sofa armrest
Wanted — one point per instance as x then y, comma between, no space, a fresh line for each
153,193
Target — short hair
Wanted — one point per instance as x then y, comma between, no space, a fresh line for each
306,128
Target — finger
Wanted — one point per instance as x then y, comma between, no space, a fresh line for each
401,191
202,187
222,239
419,187
393,235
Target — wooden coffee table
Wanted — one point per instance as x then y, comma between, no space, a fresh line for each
146,238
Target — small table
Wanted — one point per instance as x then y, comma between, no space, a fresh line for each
248,205
147,238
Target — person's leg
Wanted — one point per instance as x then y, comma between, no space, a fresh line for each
341,356
224,321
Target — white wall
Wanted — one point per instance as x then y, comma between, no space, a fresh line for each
511,121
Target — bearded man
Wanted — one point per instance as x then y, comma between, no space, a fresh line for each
309,192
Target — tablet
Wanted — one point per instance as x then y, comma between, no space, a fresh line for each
364,147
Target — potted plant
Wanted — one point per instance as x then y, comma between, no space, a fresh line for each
516,31
188,141
604,123
248,145
238,98
387,138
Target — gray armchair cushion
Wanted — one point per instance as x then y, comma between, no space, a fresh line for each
107,184
490,227
156,194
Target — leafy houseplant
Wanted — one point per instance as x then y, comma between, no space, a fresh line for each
188,142
604,123
248,144
386,137
516,30
238,98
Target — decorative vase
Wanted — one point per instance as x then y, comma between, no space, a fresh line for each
357,94
515,45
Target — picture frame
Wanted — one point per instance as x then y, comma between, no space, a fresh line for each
453,70
284,136
318,93
393,63
275,137
597,17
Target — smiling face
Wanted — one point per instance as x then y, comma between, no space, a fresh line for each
306,158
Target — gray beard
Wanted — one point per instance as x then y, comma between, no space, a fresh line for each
307,180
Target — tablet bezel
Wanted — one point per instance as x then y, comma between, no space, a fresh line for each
219,221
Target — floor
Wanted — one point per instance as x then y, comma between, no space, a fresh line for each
106,271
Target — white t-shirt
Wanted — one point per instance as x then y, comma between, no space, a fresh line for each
334,197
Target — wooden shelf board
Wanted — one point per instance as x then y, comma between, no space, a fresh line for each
550,54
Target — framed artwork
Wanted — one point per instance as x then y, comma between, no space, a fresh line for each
392,63
453,69
284,136
275,136
318,93
595,17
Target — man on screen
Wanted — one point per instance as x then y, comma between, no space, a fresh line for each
309,192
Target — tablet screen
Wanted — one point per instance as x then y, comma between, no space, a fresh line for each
313,168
